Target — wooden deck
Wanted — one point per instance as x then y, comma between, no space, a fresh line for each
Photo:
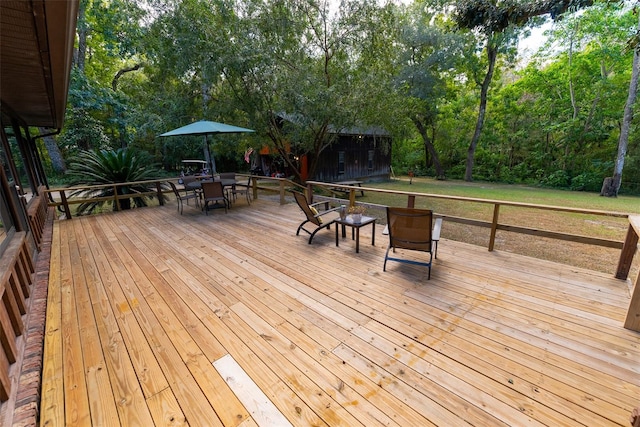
231,319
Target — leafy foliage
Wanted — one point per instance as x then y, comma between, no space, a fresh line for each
110,167
297,70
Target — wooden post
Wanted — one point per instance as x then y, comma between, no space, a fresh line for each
159,190
65,204
411,201
115,197
309,193
254,187
629,248
282,200
494,226
632,320
633,313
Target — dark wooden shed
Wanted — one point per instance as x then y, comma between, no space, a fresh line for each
357,154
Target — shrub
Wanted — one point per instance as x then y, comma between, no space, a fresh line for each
558,179
111,167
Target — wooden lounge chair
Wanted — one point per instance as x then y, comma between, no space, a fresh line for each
213,193
314,217
435,234
409,229
182,197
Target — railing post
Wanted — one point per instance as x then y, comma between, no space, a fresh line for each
254,187
115,197
494,226
309,193
628,251
65,204
411,201
632,320
159,189
352,197
282,200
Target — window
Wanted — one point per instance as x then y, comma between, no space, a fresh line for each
15,164
6,220
370,160
340,162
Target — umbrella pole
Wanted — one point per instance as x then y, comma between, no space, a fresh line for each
210,160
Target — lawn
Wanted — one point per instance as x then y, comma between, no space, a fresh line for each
515,193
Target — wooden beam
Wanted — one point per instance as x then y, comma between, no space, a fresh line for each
632,320
494,226
629,248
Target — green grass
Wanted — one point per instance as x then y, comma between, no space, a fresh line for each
513,193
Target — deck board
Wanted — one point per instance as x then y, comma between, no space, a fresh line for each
76,399
144,304
52,399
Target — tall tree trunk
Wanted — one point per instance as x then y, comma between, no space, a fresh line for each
492,53
611,185
430,148
57,160
80,54
572,92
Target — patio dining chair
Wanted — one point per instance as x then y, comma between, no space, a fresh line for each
242,189
313,215
186,180
182,197
227,175
213,193
410,230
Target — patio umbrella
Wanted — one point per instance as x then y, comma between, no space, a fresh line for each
206,128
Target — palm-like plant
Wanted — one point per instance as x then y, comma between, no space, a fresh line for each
111,167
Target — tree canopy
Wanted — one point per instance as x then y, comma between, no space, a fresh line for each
443,77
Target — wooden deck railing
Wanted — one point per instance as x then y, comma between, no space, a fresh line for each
494,225
62,200
16,278
281,186
16,270
37,214
628,251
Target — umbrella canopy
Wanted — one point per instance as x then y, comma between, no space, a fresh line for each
205,127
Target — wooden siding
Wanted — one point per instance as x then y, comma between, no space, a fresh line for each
157,318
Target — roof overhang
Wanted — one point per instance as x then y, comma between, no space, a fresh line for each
36,49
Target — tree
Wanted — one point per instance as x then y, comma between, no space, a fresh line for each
298,71
611,185
109,36
429,56
497,21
